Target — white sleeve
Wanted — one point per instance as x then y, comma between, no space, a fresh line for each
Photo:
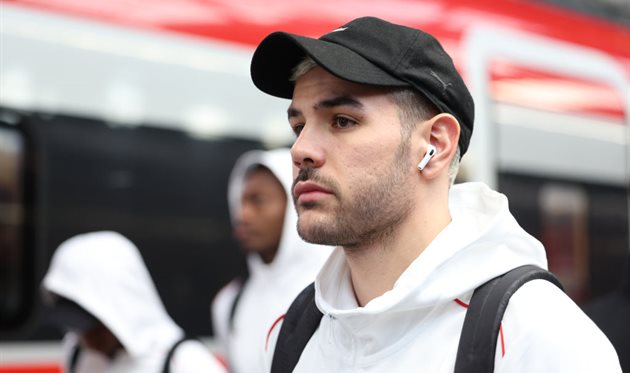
543,330
193,357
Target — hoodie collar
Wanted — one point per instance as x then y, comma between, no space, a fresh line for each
482,241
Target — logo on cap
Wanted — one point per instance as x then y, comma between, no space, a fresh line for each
437,77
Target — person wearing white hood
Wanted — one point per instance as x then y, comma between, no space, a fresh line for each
280,263
100,293
381,117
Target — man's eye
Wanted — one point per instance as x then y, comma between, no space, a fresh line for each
297,129
258,200
344,122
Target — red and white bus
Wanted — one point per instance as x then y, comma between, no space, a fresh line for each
128,115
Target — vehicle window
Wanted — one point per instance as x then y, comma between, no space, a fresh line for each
583,226
12,224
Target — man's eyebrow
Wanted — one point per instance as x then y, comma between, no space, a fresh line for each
293,112
339,101
328,103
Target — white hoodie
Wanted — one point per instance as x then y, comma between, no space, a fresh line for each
270,288
415,327
104,273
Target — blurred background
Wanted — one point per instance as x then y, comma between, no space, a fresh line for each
128,115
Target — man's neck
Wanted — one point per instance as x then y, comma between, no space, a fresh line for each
268,255
375,267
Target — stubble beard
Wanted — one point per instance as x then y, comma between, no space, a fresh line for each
373,211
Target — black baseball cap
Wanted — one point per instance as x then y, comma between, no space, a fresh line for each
370,51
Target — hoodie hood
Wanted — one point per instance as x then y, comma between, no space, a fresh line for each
104,273
290,254
482,241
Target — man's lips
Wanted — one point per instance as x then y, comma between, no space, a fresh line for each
305,191
241,233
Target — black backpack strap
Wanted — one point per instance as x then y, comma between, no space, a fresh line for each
478,341
171,352
74,358
299,325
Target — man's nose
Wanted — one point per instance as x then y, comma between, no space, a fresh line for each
244,213
308,148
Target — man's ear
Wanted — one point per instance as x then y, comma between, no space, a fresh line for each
442,132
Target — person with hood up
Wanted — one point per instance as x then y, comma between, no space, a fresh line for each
100,293
381,118
280,263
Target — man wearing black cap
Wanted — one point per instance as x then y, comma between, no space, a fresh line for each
381,118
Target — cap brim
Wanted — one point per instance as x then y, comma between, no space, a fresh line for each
278,54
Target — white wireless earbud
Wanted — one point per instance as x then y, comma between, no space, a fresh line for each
431,150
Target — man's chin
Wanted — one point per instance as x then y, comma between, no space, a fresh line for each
248,247
317,232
